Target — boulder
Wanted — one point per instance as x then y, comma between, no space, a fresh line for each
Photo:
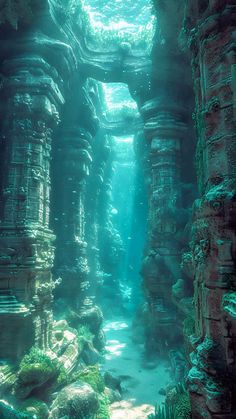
93,318
112,382
76,401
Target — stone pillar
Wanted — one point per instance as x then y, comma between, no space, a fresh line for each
73,159
165,110
76,222
30,98
161,263
212,377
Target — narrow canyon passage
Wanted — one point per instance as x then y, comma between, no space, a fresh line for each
117,209
140,381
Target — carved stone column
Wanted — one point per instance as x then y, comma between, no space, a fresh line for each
161,263
73,158
164,107
212,377
30,98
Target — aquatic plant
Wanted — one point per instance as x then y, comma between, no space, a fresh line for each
91,375
103,411
84,334
63,378
36,369
176,406
163,412
182,406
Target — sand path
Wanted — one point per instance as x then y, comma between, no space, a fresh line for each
140,385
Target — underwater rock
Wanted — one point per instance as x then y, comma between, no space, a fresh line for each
76,401
92,376
93,318
112,395
99,340
112,382
35,408
37,369
90,355
65,344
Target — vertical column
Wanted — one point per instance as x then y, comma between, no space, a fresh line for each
212,377
73,159
164,130
30,98
164,98
77,187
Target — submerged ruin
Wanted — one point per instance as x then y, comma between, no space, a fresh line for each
117,209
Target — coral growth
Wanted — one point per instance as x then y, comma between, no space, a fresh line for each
176,406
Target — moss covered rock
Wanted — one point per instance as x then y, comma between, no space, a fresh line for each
92,376
93,318
36,370
76,401
34,407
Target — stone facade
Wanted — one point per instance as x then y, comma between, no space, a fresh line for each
30,98
212,377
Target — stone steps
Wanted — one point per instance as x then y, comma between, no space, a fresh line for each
9,303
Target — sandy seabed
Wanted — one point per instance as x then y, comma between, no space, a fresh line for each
140,385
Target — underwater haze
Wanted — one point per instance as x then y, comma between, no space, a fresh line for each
117,209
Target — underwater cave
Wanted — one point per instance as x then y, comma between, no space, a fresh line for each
117,209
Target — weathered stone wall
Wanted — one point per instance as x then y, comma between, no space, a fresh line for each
30,99
212,41
31,96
